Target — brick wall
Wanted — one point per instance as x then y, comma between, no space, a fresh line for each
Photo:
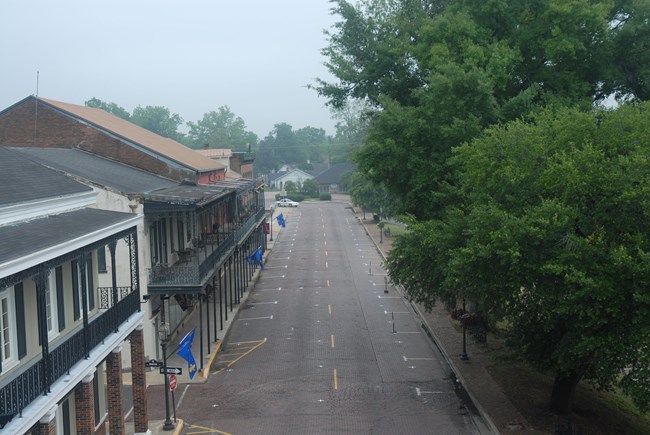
85,408
139,382
18,128
115,393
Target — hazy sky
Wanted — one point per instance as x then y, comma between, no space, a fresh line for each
191,56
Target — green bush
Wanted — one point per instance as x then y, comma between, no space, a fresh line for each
325,196
298,197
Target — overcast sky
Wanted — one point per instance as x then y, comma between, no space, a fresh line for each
191,56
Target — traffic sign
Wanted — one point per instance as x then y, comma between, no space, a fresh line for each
172,382
171,371
153,363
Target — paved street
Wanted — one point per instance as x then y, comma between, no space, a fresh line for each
314,349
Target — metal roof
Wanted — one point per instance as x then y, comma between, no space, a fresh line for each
128,131
24,180
28,237
98,170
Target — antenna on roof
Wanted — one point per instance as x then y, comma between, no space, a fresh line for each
36,108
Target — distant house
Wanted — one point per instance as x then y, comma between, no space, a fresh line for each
330,179
40,122
279,179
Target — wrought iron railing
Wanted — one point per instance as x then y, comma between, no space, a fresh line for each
22,390
28,383
213,258
106,296
241,232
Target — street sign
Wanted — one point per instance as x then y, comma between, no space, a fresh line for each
171,371
153,363
172,382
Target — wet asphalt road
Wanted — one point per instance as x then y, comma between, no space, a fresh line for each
314,349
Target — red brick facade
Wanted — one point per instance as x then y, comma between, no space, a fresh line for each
139,382
85,407
115,393
55,129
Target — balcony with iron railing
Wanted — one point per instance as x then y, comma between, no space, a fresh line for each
195,264
36,377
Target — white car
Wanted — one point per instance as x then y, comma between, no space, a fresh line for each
286,202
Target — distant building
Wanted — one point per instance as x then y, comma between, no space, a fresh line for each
330,179
279,179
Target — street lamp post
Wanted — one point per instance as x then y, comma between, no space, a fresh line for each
164,341
271,228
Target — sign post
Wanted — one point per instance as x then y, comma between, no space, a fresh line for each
172,388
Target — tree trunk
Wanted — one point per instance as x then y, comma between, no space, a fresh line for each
564,389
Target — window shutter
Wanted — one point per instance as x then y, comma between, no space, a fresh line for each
60,300
91,284
75,290
19,299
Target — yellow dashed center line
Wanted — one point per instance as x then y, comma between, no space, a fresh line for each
332,341
327,265
329,308
328,282
336,381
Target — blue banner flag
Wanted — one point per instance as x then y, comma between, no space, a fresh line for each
185,352
280,219
257,257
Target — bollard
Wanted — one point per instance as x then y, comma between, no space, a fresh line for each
385,284
392,315
370,268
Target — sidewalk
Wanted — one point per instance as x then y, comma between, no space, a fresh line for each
498,413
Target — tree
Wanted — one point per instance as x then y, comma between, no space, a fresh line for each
109,107
221,129
310,187
439,73
159,120
370,196
552,238
290,187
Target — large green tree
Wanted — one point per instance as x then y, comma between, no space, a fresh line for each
438,73
221,129
109,107
552,238
159,120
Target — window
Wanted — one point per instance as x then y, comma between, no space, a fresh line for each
8,342
81,276
51,311
101,260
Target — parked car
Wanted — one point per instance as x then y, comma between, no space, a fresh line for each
286,202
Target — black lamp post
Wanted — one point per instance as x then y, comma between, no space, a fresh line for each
164,341
271,224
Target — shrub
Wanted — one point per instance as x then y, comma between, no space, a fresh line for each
298,197
325,196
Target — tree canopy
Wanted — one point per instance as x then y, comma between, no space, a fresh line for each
221,129
523,197
553,238
438,73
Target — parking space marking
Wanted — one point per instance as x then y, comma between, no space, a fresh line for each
205,430
269,289
255,345
416,359
257,318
